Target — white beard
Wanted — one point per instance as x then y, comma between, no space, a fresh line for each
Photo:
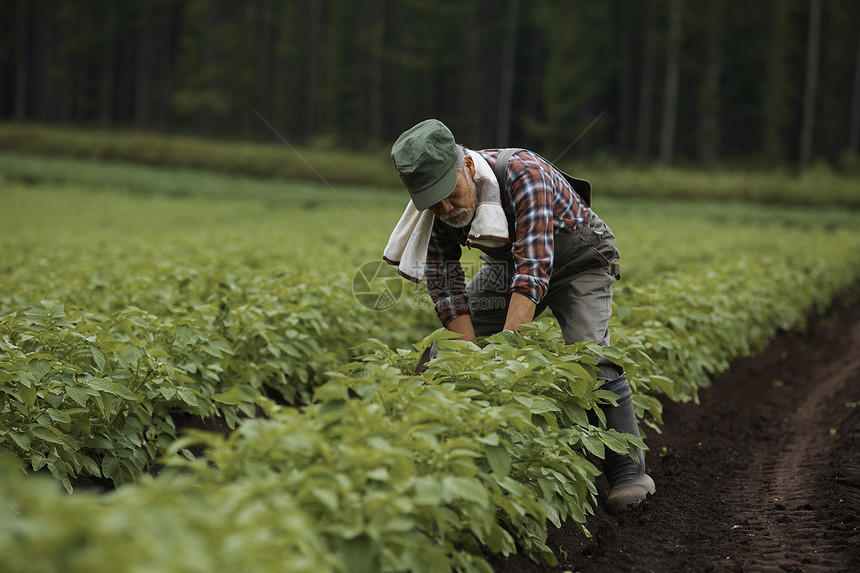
459,217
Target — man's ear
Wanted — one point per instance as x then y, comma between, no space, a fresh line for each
470,166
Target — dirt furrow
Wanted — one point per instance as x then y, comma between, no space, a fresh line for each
781,501
763,475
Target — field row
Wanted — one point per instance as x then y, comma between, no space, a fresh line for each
388,471
819,187
119,312
108,334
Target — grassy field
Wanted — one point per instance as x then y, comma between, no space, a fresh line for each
105,236
356,219
134,296
819,187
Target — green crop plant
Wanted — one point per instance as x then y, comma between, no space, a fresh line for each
414,473
168,525
124,310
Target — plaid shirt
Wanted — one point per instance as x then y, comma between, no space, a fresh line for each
540,202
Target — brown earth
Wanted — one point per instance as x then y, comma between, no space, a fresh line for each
763,475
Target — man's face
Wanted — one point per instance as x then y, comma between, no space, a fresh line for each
458,209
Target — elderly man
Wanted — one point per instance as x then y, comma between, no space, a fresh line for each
560,255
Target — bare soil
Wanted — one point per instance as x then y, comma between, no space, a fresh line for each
763,475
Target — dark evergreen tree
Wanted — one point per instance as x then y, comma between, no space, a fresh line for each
734,81
810,91
671,87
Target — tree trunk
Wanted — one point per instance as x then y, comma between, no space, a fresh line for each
377,65
108,51
21,61
66,85
506,81
43,55
163,67
709,130
143,68
315,23
287,103
263,16
205,123
21,75
778,87
854,133
643,131
625,95
810,86
82,83
670,95
472,83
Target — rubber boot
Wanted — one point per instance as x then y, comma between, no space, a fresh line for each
628,483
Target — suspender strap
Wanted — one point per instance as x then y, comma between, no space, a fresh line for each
501,172
581,186
502,164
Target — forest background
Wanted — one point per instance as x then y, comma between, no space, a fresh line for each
765,84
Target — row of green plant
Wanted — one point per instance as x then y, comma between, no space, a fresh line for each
414,472
511,409
417,473
95,394
819,187
287,219
168,525
164,181
391,471
127,274
118,313
241,158
691,325
92,389
156,307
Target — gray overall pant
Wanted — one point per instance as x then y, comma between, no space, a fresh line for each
585,264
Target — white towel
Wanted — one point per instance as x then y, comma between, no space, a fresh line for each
489,230
407,246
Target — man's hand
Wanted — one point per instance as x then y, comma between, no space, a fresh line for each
462,325
521,310
428,355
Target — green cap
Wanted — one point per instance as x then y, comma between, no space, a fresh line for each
425,158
